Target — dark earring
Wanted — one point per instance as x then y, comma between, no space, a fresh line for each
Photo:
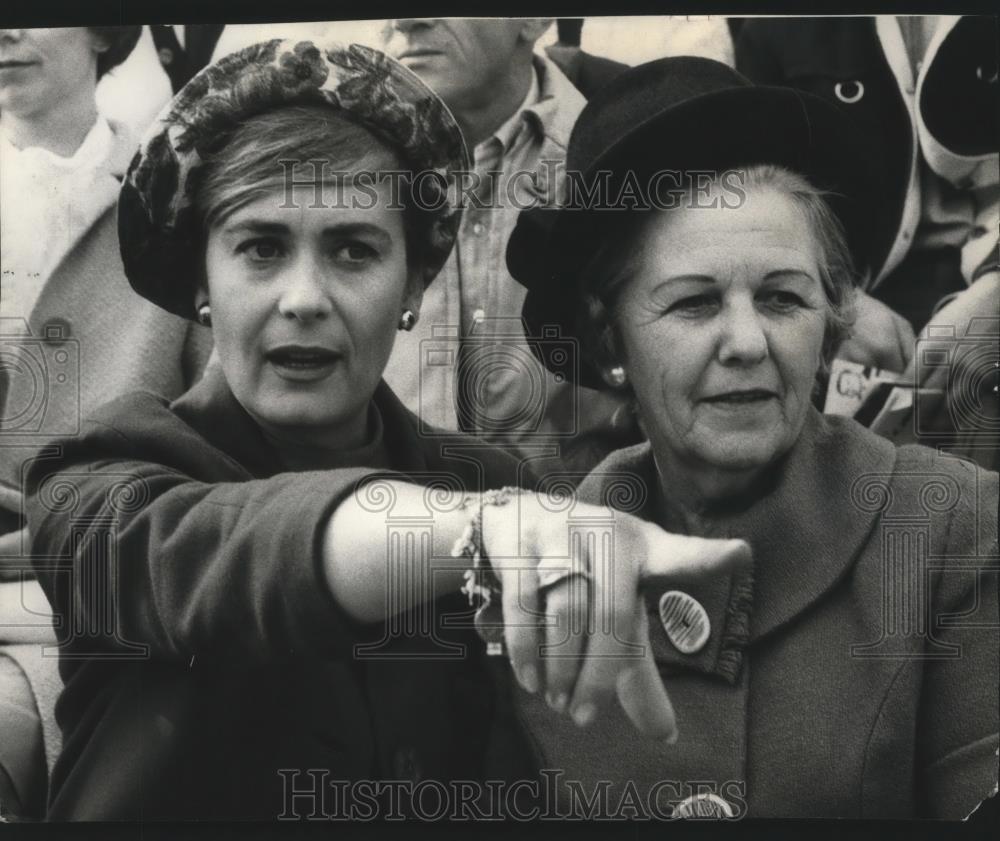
205,314
407,320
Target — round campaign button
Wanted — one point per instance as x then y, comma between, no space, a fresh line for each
685,621
703,806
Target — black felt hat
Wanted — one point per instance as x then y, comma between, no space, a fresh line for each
689,114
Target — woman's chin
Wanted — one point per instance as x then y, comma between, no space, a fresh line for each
302,418
742,453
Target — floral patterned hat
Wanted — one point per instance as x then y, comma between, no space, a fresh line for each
157,226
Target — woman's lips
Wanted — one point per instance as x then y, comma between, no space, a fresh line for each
418,54
740,398
303,364
14,67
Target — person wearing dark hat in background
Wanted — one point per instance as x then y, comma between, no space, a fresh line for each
923,91
467,364
163,60
72,335
184,50
852,671
252,517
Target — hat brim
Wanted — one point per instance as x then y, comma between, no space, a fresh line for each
159,229
724,130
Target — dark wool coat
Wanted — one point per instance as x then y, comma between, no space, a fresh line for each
861,679
214,655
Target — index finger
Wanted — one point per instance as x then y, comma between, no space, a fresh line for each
642,694
670,554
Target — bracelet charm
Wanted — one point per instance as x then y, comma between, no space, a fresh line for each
482,585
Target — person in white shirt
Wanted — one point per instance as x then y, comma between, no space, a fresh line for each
467,364
72,334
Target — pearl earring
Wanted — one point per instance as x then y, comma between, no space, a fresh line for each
617,376
205,315
407,320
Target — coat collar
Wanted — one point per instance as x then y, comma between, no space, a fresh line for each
124,148
108,178
558,105
806,534
212,410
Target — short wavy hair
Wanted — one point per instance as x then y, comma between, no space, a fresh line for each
606,273
121,40
247,165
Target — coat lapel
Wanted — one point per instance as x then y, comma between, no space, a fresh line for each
210,408
806,534
101,199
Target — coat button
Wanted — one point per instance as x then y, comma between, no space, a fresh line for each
685,621
703,806
55,331
166,56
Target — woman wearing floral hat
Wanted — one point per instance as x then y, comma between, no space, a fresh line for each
261,586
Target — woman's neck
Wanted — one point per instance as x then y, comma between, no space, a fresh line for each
60,130
480,119
690,496
309,448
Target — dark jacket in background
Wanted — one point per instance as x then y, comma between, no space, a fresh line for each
588,73
182,63
843,60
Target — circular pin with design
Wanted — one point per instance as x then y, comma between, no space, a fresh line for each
685,621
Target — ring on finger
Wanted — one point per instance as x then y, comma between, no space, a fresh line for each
553,571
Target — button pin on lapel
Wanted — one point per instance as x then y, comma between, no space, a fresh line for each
705,805
849,92
685,621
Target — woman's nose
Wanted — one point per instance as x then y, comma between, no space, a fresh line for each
743,340
304,294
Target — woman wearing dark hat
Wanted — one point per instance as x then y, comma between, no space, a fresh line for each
269,619
860,680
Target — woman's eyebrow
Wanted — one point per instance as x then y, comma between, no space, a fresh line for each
357,229
268,227
682,278
788,272
254,226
